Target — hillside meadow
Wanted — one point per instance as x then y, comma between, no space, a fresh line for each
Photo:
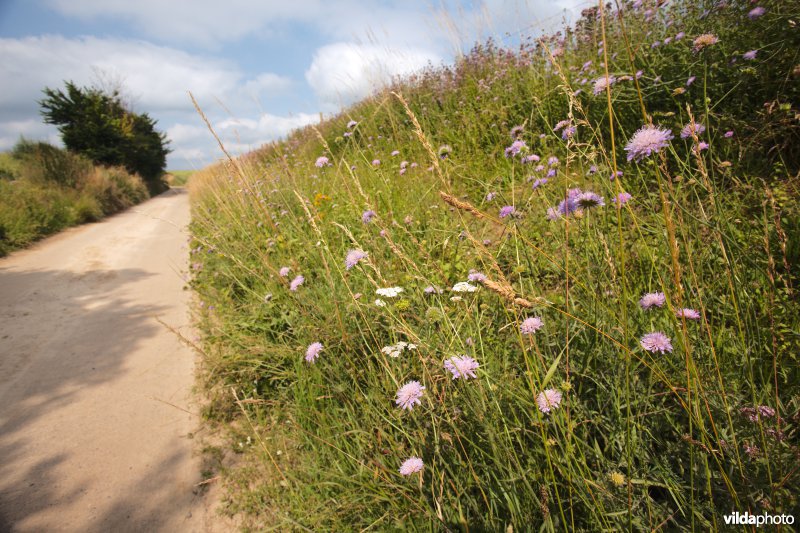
552,286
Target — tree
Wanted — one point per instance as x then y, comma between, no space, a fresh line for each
98,125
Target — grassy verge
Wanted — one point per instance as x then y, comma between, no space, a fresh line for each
44,189
526,289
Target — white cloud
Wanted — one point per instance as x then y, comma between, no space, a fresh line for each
342,73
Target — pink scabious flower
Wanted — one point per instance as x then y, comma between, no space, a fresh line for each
462,367
690,80
296,282
476,276
322,161
756,12
680,35
490,196
312,352
589,199
656,342
701,146
376,162
602,83
552,161
561,124
506,210
647,141
367,216
430,289
531,325
692,128
539,182
705,40
548,400
689,314
532,158
515,132
568,132
353,257
352,124
751,55
409,395
728,134
652,299
284,271
412,465
622,199
515,148
395,152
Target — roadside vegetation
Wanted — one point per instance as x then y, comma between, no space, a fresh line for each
550,287
44,189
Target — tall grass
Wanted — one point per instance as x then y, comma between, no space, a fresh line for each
642,438
44,189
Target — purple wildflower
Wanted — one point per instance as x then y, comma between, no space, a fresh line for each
551,173
412,465
430,289
539,182
647,141
689,314
515,148
395,152
506,210
552,160
568,132
592,170
353,257
352,124
639,74
312,352
652,299
322,161
532,158
284,271
462,367
376,162
589,199
622,199
692,128
701,146
656,342
367,216
680,35
296,282
531,325
690,80
490,196
553,213
474,275
548,400
728,134
756,12
615,175
602,83
515,132
409,395
561,124
751,55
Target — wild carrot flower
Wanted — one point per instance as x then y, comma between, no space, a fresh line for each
463,286
704,40
506,211
322,161
296,282
756,12
379,302
462,367
531,325
284,271
395,350
647,141
692,128
652,299
367,216
389,292
409,395
656,342
689,314
412,465
353,257
312,352
548,400
751,55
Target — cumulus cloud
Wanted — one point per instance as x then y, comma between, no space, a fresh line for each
342,73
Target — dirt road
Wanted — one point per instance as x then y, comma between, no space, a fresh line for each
95,393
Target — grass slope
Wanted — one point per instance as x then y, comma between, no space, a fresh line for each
596,402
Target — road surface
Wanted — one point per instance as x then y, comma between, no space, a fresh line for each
96,430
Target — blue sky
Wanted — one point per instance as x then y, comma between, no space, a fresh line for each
257,68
